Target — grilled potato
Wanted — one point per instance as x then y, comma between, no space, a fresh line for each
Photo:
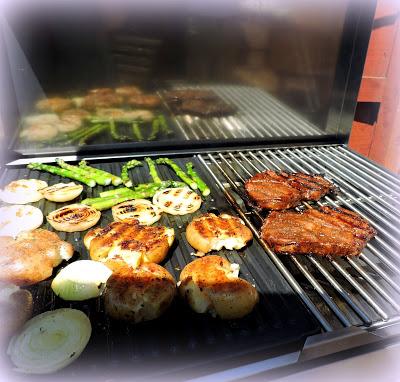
140,294
130,242
211,285
209,232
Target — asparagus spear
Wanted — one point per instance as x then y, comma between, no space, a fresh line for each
136,131
178,171
142,187
91,134
78,134
155,128
115,134
164,125
115,180
62,172
153,170
105,203
124,172
98,178
200,183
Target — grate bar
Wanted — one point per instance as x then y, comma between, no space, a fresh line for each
346,296
366,168
288,276
372,180
360,159
360,178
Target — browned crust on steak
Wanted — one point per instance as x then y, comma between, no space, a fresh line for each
325,232
280,191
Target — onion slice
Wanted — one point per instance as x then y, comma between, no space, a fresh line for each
15,219
177,201
73,218
50,341
62,192
81,280
140,209
23,191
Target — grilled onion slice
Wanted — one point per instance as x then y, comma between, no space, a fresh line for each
50,341
23,191
81,280
62,192
177,201
73,218
15,219
140,209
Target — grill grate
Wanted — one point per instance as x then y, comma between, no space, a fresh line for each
259,115
359,291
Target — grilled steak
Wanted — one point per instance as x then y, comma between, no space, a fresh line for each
203,103
324,232
280,191
185,94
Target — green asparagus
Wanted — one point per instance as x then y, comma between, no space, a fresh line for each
164,127
125,171
90,135
155,128
115,180
200,183
116,192
137,133
99,179
115,134
178,171
153,170
78,134
63,172
108,202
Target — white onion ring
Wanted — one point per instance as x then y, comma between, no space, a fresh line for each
50,341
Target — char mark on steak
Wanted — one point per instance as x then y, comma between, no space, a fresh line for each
279,191
324,232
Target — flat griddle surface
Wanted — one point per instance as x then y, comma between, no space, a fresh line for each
180,338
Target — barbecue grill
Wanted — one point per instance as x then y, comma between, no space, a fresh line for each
310,307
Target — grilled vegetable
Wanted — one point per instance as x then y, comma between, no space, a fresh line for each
74,136
200,184
155,129
165,129
50,341
177,201
153,170
178,171
15,219
142,187
115,180
81,280
115,134
137,133
62,192
23,191
62,172
124,172
107,202
101,179
73,218
141,209
91,134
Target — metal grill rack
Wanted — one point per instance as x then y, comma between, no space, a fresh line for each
361,291
259,115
